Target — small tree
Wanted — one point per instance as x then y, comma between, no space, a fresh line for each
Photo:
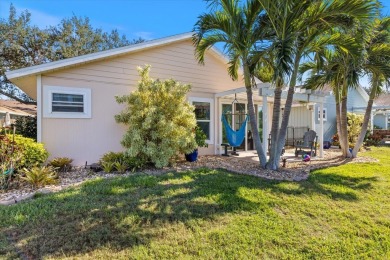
27,126
161,122
354,127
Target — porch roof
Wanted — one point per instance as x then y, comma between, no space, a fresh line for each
300,95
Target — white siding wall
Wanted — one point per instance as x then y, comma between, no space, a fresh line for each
300,116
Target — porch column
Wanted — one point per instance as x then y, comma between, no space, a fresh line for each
313,118
265,122
372,122
386,120
217,125
39,108
321,130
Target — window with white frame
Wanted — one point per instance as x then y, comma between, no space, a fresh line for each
204,115
65,102
324,115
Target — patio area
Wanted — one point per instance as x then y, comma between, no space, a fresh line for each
289,155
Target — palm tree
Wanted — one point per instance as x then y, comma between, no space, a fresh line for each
377,66
237,26
297,25
337,69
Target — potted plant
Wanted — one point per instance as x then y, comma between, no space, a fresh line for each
200,139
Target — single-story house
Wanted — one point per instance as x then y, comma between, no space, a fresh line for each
76,104
15,109
381,113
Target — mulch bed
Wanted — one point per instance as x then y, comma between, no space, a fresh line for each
295,170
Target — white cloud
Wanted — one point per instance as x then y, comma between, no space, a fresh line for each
43,20
38,18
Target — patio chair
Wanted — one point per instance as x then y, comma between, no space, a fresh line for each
309,142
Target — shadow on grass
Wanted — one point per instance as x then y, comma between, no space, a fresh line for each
332,185
128,212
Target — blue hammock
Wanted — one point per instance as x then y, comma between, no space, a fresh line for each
235,138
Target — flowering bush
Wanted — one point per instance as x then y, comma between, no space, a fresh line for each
354,127
160,120
373,140
10,155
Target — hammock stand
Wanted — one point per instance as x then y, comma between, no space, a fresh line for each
235,138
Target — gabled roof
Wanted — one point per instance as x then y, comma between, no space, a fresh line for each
17,108
383,100
61,64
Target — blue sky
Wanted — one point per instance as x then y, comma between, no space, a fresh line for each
148,19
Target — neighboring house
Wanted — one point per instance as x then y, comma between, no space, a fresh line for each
357,97
15,109
382,112
76,104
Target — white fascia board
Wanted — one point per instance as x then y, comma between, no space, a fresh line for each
373,107
222,57
298,96
230,92
38,69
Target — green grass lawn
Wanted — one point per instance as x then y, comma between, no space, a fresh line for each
339,213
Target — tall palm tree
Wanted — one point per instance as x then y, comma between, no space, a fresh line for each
376,65
337,69
236,25
297,24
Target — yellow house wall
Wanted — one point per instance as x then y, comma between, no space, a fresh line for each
88,139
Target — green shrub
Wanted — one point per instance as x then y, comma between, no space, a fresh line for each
160,120
33,153
62,164
373,140
111,160
26,126
134,163
200,137
112,157
10,156
354,127
108,166
121,166
39,176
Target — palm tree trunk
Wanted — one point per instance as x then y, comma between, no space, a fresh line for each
287,110
341,108
366,120
344,125
273,163
338,121
338,109
252,117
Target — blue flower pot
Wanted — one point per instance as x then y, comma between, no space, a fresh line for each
192,157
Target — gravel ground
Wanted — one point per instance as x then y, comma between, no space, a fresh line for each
295,170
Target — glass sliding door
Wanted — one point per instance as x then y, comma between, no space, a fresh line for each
239,118
260,121
228,114
235,115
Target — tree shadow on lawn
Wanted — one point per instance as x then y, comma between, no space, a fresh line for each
332,185
129,212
